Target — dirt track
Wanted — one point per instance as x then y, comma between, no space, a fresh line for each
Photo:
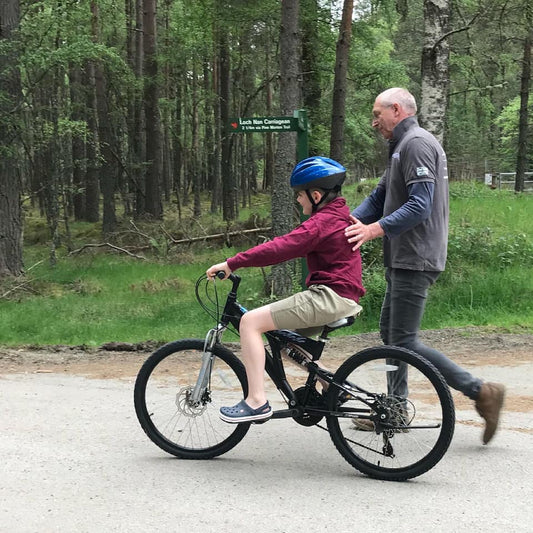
71,445
469,347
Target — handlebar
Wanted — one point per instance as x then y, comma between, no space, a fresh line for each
207,296
232,277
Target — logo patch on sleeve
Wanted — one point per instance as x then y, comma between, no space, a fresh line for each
422,171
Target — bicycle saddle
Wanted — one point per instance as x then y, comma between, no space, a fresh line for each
341,322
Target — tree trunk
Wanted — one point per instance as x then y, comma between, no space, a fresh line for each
10,185
47,157
216,197
151,95
268,176
178,145
282,196
108,167
195,145
523,124
336,143
208,158
166,115
311,91
139,136
435,67
92,189
228,178
78,144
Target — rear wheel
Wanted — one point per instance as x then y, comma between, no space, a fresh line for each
384,433
163,406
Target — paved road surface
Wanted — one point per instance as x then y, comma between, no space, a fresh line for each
76,460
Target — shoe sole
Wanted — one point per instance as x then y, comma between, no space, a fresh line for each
253,418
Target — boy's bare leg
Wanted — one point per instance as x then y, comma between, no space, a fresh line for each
253,324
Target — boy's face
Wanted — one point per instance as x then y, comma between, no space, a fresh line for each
303,200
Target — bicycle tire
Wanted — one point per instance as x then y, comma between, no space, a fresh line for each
419,426
160,396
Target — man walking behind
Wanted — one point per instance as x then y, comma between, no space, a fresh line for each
409,210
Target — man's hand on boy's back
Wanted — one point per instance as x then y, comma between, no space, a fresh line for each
211,272
359,233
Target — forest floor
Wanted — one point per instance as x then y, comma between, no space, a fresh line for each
503,357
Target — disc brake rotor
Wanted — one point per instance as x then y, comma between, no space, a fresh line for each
184,404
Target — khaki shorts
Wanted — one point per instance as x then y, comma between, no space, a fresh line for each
310,310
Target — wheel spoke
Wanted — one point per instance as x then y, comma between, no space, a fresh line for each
407,431
162,400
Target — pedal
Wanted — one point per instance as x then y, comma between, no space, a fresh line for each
261,421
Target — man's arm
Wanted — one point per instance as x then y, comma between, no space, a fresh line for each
371,208
415,210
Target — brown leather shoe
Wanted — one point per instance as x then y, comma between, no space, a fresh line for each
489,404
402,420
363,424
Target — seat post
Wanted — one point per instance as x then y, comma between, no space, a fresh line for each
332,326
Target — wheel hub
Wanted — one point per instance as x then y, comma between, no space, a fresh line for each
393,411
185,406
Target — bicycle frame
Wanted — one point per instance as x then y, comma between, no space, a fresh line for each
180,387
277,341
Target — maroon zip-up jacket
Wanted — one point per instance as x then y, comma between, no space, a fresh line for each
321,240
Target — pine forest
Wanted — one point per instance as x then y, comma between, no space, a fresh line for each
124,109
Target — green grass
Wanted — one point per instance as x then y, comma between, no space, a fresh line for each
489,276
482,297
98,297
91,300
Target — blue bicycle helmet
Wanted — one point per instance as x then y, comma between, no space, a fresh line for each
318,173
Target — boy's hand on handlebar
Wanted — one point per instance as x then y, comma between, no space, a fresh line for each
212,271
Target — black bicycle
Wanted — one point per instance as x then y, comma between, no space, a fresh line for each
181,387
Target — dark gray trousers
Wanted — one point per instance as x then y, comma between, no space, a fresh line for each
401,315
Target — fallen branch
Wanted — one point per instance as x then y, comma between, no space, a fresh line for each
172,241
218,235
108,244
15,289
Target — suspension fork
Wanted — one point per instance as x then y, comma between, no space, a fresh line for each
208,357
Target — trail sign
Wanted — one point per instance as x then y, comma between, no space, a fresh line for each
298,123
263,124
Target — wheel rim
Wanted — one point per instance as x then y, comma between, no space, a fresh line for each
179,425
411,431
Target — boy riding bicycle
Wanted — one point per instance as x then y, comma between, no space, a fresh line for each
334,283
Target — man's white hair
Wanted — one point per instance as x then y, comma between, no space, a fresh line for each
400,96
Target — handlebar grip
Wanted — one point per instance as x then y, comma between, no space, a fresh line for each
220,274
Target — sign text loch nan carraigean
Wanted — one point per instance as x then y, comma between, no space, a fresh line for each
263,124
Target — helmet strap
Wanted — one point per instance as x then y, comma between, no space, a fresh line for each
314,205
325,196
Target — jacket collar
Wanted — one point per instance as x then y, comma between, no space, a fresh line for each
399,130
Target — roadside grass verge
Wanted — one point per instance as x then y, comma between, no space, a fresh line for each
99,297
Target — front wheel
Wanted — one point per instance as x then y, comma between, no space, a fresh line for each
162,393
395,418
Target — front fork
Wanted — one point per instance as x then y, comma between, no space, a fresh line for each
208,357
